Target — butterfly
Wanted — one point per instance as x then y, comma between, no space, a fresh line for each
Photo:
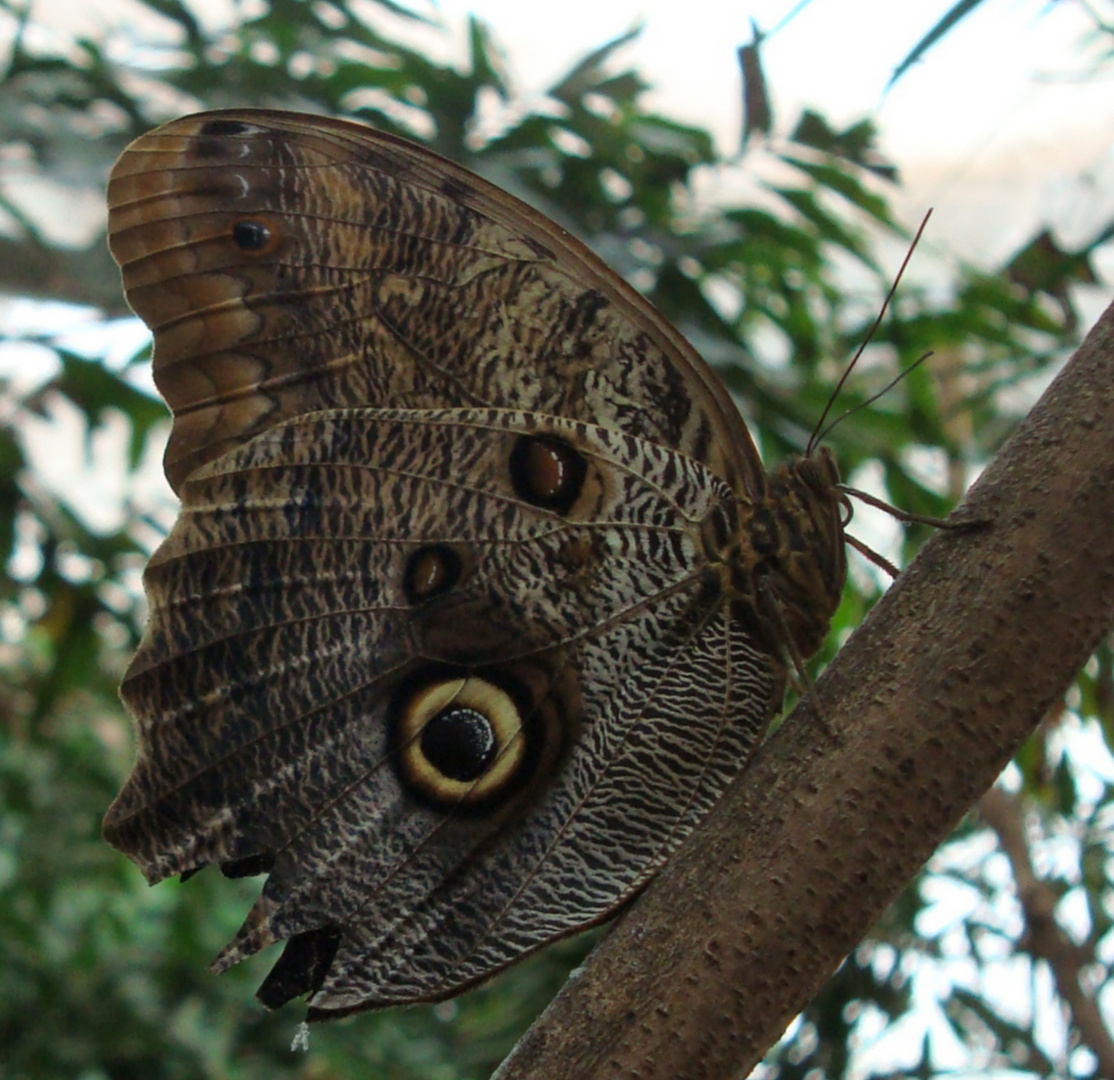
479,594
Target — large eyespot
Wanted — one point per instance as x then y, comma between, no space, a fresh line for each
431,571
547,472
460,741
252,236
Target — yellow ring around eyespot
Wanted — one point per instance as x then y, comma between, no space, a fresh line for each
490,702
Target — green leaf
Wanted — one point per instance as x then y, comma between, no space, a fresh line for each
96,390
588,75
951,18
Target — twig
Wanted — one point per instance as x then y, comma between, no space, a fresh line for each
1044,940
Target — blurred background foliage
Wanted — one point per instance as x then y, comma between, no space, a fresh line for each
105,978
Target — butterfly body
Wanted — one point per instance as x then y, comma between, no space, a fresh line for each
479,595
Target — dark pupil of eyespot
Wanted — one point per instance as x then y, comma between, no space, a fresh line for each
459,743
250,235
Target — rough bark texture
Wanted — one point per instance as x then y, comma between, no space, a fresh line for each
926,702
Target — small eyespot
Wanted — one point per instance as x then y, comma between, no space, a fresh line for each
431,571
223,127
251,235
460,741
547,472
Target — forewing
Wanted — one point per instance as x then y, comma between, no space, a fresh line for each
289,263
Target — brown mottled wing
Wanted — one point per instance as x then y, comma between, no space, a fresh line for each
444,639
289,263
284,632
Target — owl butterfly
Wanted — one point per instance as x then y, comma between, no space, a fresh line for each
479,595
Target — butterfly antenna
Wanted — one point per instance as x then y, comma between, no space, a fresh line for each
820,431
825,432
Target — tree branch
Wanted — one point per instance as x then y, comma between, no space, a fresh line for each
1045,940
76,276
928,701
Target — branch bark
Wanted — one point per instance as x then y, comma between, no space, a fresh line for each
928,701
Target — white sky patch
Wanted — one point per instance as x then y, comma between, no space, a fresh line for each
995,127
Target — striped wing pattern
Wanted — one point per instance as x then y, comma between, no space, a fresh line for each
458,633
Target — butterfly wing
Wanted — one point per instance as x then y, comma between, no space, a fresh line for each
459,669
289,635
289,263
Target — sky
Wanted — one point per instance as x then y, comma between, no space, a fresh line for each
994,127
